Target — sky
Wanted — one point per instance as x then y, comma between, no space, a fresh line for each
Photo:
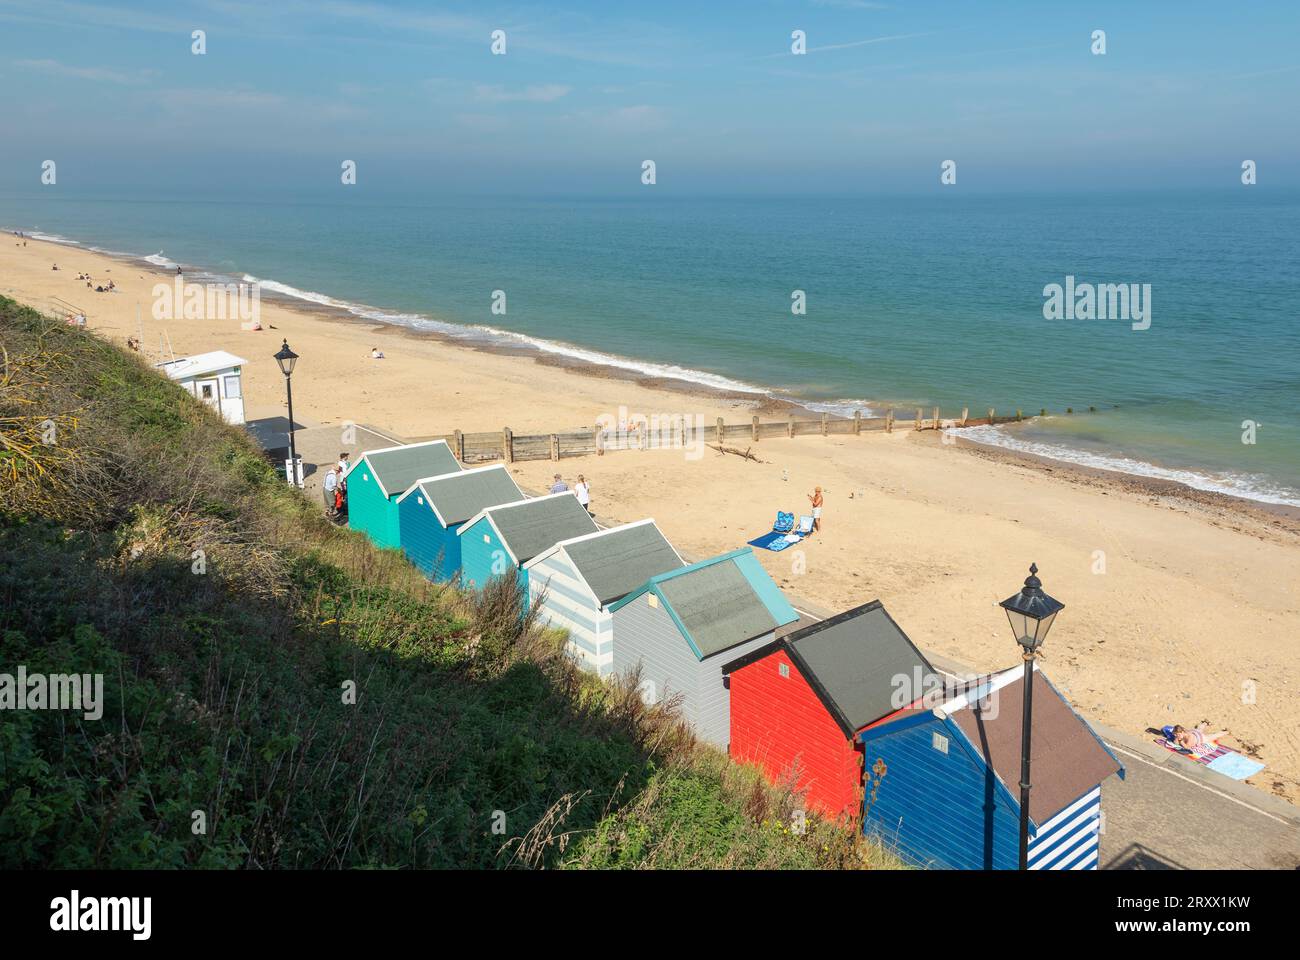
587,91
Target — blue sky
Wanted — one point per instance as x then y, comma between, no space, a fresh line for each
709,91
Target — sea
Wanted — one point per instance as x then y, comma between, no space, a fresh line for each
838,304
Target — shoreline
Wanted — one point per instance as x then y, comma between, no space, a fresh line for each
760,401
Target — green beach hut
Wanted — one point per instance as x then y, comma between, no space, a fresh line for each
379,477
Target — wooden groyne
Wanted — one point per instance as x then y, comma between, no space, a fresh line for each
677,432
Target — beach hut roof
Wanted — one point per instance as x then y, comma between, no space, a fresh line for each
200,364
527,527
455,497
851,661
620,559
720,602
1067,757
396,468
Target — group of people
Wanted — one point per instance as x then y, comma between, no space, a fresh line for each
334,488
582,489
21,236
98,288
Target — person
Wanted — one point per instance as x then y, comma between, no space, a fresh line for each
133,344
376,353
328,489
559,486
816,499
343,463
583,489
1196,739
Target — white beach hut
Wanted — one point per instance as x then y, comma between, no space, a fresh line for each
216,378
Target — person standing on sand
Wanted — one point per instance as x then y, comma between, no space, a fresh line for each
327,491
815,498
559,486
583,489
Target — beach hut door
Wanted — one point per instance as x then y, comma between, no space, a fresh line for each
206,390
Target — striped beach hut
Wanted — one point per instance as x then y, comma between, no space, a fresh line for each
504,537
680,627
379,477
434,508
575,582
944,780
798,702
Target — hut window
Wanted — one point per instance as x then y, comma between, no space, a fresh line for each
939,741
231,386
783,669
652,599
486,538
365,476
420,500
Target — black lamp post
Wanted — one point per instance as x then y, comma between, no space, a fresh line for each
1031,613
286,358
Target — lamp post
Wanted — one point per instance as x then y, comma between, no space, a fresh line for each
286,358
1031,613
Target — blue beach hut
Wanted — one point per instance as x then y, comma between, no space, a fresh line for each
942,783
434,508
502,538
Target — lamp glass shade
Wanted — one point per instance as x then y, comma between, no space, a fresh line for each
1031,612
286,358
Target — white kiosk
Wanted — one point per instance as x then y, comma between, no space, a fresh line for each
215,378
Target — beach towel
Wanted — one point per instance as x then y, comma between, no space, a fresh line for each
771,541
1218,758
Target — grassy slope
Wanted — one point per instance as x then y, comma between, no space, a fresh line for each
151,543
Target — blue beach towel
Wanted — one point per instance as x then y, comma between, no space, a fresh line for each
1235,765
771,541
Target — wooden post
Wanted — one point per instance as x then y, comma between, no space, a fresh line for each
920,419
1019,415
555,447
721,431
754,429
857,422
508,444
789,428
459,449
990,415
936,418
889,421
825,426
1042,412
965,412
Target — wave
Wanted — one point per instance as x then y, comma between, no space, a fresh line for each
494,336
158,260
840,408
53,238
1249,486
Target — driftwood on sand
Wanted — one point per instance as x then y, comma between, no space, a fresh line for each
745,454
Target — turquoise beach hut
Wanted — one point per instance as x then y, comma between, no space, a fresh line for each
434,508
503,538
379,477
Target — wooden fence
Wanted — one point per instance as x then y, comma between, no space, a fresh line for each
659,433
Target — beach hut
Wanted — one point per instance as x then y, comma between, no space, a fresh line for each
379,477
944,780
215,378
576,580
433,509
680,627
504,537
798,702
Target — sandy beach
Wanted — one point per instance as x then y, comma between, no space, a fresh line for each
1180,607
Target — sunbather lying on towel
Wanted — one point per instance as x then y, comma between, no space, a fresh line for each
1196,739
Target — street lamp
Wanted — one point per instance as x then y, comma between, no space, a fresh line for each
1031,613
286,358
